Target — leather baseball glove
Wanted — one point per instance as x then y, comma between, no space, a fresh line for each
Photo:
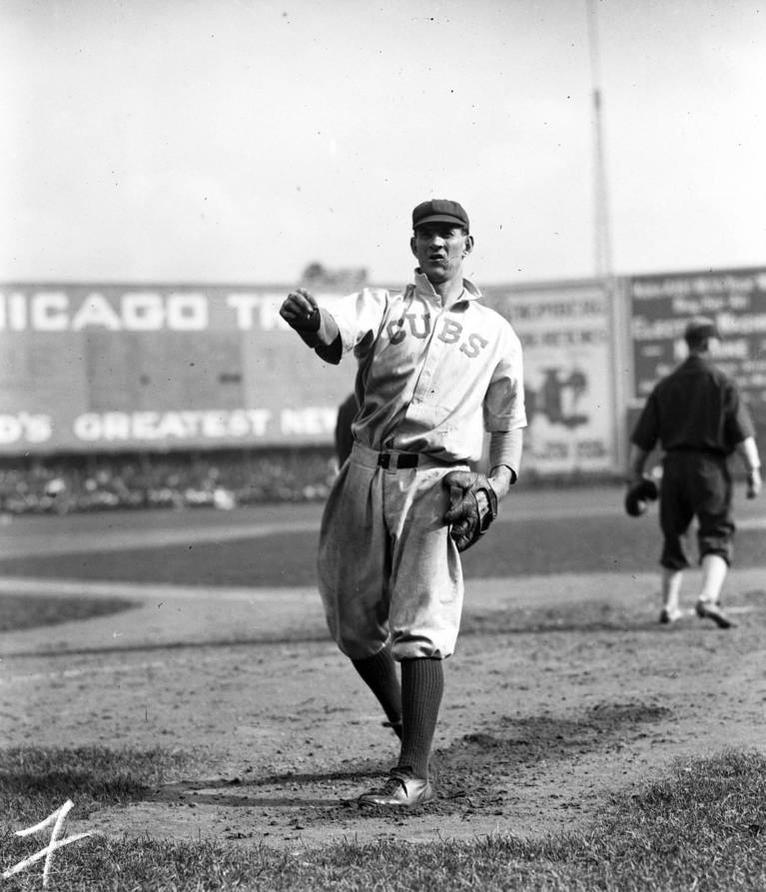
639,495
472,508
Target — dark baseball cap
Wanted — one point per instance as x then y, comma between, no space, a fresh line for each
440,210
699,328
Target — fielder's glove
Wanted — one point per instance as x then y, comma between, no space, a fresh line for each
472,508
639,495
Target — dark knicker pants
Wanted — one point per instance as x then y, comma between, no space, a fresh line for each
695,484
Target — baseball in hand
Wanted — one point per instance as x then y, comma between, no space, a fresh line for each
300,311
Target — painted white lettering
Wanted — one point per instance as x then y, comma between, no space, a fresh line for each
10,429
17,312
115,426
211,424
192,421
214,424
259,419
49,311
244,306
269,315
87,427
142,311
96,310
25,428
37,428
172,424
238,424
311,421
145,425
187,312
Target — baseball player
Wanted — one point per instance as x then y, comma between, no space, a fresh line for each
699,419
435,369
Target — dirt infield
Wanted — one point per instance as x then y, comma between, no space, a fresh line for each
564,690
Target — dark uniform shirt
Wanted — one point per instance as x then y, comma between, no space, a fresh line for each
695,408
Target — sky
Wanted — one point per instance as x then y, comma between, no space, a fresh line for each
236,141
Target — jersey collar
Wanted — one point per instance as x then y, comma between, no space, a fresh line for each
424,287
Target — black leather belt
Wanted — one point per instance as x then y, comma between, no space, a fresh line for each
398,460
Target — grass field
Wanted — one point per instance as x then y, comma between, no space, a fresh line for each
701,828
188,703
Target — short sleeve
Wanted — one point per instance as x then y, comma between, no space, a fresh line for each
359,316
504,408
738,424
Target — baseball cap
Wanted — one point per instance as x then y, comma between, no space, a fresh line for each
439,210
700,327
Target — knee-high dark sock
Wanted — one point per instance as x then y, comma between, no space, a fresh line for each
422,689
380,675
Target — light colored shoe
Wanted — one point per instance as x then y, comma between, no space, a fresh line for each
710,610
670,616
399,791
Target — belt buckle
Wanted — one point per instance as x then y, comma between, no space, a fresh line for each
384,460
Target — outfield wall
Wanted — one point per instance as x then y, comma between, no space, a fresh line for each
93,368
568,331
109,368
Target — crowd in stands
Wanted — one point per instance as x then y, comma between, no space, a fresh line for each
221,480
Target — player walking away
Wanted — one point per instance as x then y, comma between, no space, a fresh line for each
699,419
436,369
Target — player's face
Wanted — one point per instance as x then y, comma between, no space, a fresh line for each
440,249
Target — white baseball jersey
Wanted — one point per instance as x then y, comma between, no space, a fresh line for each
430,379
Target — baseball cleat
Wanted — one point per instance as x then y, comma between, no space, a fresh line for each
399,792
670,616
709,610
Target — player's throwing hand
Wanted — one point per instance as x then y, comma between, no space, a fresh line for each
300,311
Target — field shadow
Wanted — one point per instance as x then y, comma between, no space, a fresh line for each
35,781
243,793
71,784
574,619
472,775
20,612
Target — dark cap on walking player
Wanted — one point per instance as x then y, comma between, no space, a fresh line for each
440,210
699,329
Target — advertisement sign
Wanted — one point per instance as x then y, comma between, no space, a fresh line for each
110,368
568,378
660,307
114,308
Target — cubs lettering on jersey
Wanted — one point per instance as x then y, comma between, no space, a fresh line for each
420,327
415,342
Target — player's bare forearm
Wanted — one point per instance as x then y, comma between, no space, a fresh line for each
504,459
748,451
